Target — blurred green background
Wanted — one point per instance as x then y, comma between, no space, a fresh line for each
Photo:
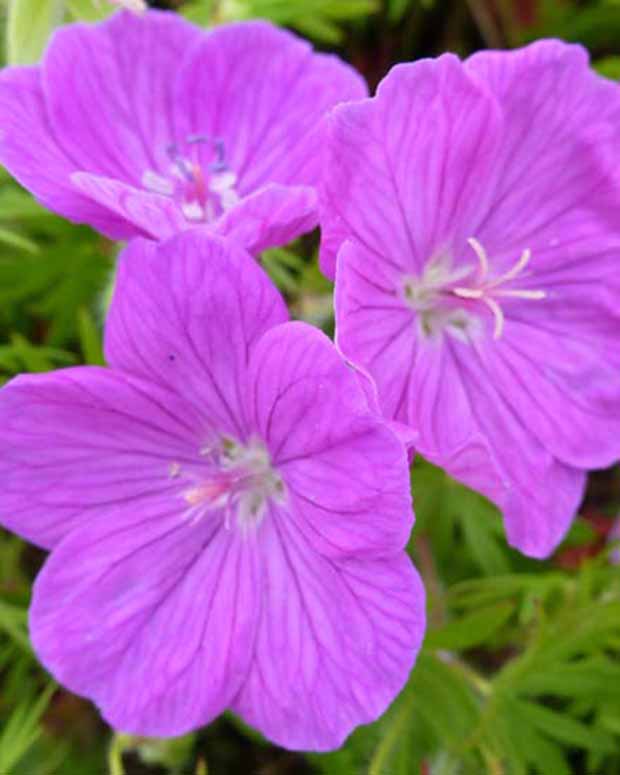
520,672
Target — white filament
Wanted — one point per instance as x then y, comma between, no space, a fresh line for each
488,289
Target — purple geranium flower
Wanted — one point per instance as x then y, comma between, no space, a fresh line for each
227,519
476,217
146,125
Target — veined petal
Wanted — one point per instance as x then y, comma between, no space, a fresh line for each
149,215
559,368
186,313
338,645
374,328
410,172
267,93
556,165
81,443
109,91
273,215
152,617
30,151
345,471
545,494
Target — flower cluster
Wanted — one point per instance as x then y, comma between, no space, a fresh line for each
228,502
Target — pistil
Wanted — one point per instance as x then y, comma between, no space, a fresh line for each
203,194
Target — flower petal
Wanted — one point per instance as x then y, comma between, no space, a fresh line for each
109,91
267,92
337,646
558,366
30,151
150,215
273,215
410,172
345,471
185,314
374,328
545,494
150,615
82,442
553,181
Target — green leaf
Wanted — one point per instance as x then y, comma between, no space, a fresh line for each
14,622
463,525
609,67
397,9
14,240
588,678
22,730
90,339
21,355
16,204
441,696
29,25
318,19
89,10
519,736
471,630
565,729
282,266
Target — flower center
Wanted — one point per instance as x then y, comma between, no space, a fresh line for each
436,296
203,191
236,478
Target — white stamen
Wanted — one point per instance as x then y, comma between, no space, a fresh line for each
223,181
174,470
229,198
488,289
523,294
193,211
468,293
498,314
223,184
516,269
157,183
482,256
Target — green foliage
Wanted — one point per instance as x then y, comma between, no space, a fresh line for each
30,23
318,19
457,517
22,729
48,281
609,67
468,711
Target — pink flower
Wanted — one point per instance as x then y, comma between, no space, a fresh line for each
146,126
473,209
227,521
